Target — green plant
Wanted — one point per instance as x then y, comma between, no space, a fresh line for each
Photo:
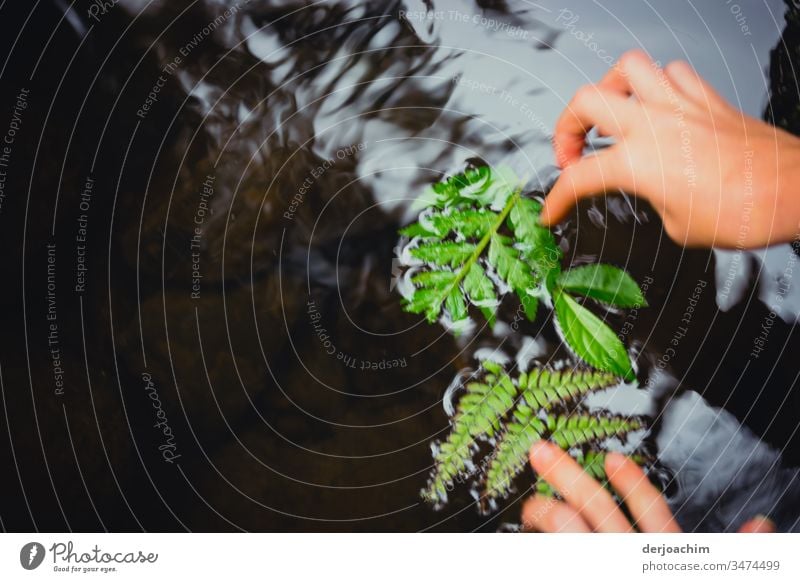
478,235
515,412
478,238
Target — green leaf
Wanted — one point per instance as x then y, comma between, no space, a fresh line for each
479,287
488,187
486,400
456,305
515,272
466,222
415,229
590,338
542,391
445,253
604,283
502,186
536,242
433,278
427,301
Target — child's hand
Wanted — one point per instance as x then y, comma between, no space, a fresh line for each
716,176
589,507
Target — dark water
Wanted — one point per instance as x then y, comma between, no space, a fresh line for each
213,340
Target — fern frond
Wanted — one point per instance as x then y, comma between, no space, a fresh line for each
579,429
541,391
438,293
478,414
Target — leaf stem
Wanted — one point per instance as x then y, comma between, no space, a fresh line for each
482,244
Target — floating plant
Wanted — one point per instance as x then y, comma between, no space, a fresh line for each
514,412
477,239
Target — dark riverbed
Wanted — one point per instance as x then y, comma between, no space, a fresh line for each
199,220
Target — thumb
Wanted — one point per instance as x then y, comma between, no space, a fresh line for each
591,175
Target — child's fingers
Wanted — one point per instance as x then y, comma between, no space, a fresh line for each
636,74
686,79
585,495
546,514
590,176
646,504
591,106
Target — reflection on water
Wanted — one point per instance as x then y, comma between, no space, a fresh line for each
294,137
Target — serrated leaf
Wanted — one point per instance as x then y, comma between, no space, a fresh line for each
427,301
604,283
465,223
433,278
479,288
536,242
590,338
456,305
415,229
515,272
445,253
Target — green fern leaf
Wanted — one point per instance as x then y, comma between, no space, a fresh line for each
515,272
541,391
463,223
544,389
478,414
569,431
444,253
535,241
